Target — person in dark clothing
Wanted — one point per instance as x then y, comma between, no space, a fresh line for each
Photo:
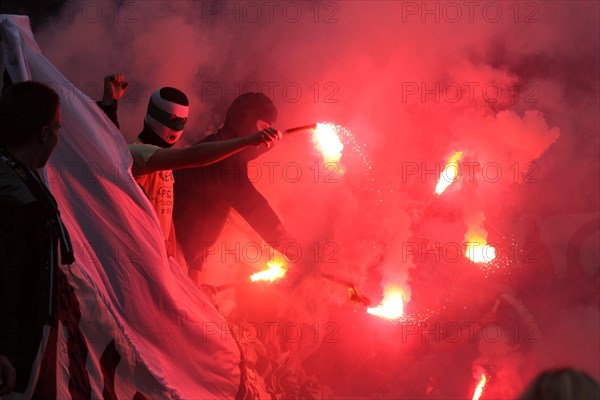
34,292
562,384
206,195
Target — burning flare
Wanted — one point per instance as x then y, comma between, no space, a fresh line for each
449,174
480,387
478,250
392,305
327,141
276,270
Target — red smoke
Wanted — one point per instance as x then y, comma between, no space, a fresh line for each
514,86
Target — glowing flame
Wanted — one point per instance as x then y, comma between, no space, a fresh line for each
326,140
478,250
392,305
480,387
276,270
449,174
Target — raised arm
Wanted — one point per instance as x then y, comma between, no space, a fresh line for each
114,88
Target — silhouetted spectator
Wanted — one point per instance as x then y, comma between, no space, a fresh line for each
562,384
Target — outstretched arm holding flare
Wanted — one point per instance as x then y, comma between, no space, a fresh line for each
202,154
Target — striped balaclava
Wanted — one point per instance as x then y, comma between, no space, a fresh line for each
167,114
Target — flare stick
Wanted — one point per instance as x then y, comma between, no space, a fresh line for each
301,128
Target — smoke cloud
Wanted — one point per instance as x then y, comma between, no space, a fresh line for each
514,86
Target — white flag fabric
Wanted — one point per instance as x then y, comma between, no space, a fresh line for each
144,321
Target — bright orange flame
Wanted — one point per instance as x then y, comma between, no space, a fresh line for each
480,387
478,250
449,174
277,269
326,140
392,305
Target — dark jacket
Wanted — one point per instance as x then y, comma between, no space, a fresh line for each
28,273
204,196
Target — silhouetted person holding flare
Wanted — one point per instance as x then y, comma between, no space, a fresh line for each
205,196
